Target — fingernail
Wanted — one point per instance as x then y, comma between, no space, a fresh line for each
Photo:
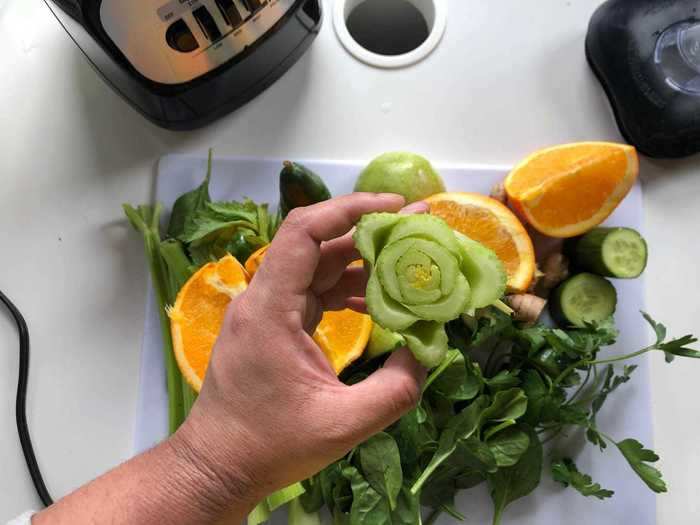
389,195
417,207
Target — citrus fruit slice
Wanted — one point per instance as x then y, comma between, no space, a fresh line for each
491,223
567,190
343,336
255,260
198,312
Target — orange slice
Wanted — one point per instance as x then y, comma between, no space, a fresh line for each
255,260
198,312
567,190
343,336
491,223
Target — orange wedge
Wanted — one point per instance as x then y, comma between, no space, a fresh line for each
198,312
567,190
491,223
342,336
255,260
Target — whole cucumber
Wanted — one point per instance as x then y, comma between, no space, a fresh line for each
299,187
611,252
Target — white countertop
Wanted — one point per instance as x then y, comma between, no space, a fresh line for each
508,78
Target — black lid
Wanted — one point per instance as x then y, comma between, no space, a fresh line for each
646,54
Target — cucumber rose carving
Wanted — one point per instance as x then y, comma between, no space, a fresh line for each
422,275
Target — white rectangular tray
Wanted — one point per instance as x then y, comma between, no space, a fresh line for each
626,414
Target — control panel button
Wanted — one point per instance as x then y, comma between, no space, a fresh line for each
180,38
207,23
254,5
230,12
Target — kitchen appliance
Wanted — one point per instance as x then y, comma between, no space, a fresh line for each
646,54
184,63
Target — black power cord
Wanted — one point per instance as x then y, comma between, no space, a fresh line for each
21,402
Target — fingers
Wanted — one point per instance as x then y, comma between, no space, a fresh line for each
356,303
352,283
291,262
335,257
416,207
338,253
386,395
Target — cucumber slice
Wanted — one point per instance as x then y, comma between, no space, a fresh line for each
382,341
612,252
583,298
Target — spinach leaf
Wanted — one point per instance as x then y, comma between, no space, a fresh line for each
462,426
457,382
415,436
473,455
469,479
369,507
312,498
381,466
566,473
189,204
407,511
638,457
504,380
508,446
512,483
508,405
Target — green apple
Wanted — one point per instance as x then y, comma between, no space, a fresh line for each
401,172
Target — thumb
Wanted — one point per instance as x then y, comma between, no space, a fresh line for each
386,395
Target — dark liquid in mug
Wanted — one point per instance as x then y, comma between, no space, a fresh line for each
387,27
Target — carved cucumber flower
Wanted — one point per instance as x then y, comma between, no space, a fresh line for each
422,275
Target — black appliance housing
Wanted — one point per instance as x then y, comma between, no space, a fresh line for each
215,90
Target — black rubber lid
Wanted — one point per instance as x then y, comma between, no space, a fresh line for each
646,54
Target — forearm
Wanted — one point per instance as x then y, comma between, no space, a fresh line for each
163,485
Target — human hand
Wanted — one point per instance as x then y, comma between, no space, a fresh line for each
271,410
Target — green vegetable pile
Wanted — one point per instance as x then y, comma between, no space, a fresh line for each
501,392
498,389
199,231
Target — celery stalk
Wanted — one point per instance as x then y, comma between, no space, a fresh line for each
284,496
146,220
260,514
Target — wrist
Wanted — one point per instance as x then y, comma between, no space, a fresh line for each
224,486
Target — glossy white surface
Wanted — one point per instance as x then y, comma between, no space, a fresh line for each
509,77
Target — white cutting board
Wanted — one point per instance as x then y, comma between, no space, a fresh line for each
626,414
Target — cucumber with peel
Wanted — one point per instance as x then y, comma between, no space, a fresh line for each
612,252
583,298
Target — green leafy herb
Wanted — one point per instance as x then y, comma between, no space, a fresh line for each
512,483
187,206
566,473
461,427
381,465
238,228
508,446
639,458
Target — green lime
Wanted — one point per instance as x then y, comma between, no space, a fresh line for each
400,172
